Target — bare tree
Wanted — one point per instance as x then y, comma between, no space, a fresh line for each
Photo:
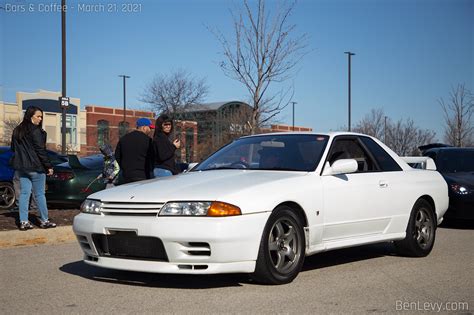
261,52
8,125
372,124
174,93
458,116
404,137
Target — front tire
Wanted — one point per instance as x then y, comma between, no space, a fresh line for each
420,232
7,195
282,248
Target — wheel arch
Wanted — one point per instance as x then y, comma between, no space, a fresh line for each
430,200
297,208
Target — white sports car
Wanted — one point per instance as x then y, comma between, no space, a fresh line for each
261,204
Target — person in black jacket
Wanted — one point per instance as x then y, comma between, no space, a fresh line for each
134,152
165,164
31,163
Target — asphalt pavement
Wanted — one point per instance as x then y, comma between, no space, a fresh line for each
53,279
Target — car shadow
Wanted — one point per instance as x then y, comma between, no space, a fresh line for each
348,255
455,224
173,281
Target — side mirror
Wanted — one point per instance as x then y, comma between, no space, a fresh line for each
342,166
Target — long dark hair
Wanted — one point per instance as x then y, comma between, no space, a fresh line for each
164,118
26,125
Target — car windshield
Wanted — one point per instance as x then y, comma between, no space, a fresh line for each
456,161
295,152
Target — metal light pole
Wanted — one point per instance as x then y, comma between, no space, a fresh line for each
385,130
124,97
63,92
293,129
349,54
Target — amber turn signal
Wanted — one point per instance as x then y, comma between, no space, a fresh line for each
222,209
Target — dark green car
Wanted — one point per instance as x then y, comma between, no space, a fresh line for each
73,181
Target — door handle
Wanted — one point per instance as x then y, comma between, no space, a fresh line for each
383,184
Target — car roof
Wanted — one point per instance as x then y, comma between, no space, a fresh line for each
329,134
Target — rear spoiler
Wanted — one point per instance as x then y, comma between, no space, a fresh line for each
422,162
74,162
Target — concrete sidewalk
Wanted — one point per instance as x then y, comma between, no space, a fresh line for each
37,236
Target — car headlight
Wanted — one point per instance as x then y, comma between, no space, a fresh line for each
460,189
199,208
91,206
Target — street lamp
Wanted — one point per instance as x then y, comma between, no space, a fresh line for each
63,75
349,54
294,115
124,97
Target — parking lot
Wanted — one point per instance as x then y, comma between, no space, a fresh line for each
367,279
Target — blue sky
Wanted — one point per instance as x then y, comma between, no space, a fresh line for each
409,53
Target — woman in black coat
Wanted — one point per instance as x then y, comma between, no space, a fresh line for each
31,163
165,164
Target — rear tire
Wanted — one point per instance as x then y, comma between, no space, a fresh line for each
282,248
420,232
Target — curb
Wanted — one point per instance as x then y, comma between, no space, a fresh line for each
16,238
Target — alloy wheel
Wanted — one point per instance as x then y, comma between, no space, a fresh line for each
283,245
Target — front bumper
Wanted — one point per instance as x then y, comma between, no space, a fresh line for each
191,245
461,207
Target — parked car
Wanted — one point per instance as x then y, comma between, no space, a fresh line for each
74,180
261,204
457,167
7,192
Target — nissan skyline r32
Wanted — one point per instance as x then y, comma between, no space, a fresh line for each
261,204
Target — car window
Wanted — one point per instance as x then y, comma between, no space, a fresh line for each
93,161
90,162
349,148
384,160
272,152
55,158
455,161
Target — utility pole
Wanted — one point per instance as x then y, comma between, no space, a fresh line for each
349,54
293,129
124,98
63,74
385,130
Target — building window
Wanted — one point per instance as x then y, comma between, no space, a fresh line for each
102,132
71,129
123,128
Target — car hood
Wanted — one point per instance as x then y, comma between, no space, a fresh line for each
224,185
465,178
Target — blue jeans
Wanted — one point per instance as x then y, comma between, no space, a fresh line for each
161,172
29,181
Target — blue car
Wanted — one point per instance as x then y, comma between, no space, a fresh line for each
7,192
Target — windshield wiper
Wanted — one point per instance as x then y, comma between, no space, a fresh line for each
222,168
281,169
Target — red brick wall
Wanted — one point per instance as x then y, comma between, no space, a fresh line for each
285,128
114,116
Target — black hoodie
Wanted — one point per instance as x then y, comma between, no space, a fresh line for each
164,152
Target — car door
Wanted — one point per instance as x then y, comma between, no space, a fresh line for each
355,204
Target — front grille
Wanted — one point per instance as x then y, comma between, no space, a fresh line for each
127,244
131,209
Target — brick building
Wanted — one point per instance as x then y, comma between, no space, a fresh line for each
105,125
